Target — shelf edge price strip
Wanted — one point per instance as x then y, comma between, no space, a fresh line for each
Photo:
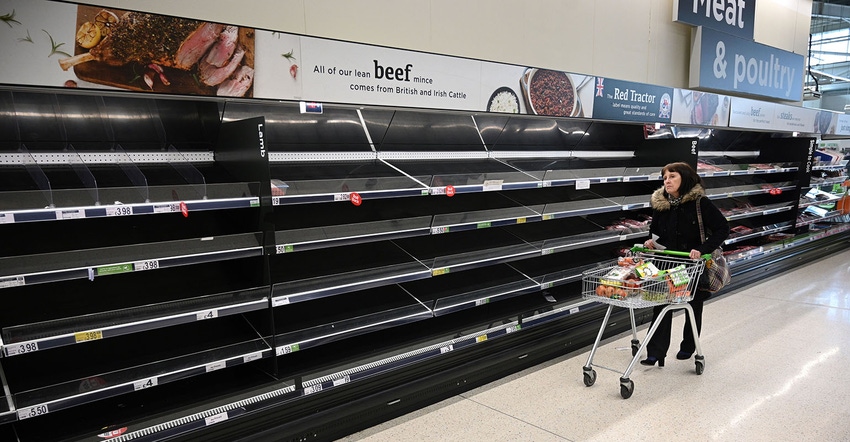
92,335
145,383
150,264
21,348
34,411
287,349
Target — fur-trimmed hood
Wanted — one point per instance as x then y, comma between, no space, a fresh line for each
659,197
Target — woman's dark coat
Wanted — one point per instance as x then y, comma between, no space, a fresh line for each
677,227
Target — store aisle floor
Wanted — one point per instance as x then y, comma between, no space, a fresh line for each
776,354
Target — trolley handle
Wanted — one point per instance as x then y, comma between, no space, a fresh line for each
706,256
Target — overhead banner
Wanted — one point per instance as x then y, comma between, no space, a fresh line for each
700,108
752,114
60,44
628,101
842,124
735,17
724,63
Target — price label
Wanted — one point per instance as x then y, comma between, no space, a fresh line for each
574,310
7,218
522,220
546,184
438,191
119,211
482,301
38,410
492,185
626,179
216,366
483,225
70,214
208,314
114,269
312,389
275,200
21,348
152,264
283,300
216,418
11,281
286,248
447,349
341,381
481,338
438,272
287,349
166,208
252,357
512,329
439,230
93,335
548,217
582,184
145,383
342,196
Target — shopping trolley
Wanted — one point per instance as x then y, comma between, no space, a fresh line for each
645,278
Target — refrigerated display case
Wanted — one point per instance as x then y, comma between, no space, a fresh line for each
178,268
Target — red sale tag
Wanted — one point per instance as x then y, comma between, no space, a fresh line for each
450,190
775,191
184,209
356,199
113,433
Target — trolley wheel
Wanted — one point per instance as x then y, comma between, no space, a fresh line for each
627,387
635,346
589,377
700,366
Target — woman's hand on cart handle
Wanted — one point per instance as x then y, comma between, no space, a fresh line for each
695,254
649,244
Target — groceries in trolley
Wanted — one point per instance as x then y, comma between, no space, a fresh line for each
641,278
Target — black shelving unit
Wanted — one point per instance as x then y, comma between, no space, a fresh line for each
272,268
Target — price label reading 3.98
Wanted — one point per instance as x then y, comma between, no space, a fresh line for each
146,265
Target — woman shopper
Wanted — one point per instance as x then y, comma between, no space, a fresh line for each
674,221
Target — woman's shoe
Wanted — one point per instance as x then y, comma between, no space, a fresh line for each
651,360
681,355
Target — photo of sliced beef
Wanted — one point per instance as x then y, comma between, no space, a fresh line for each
224,47
146,38
196,45
238,84
213,76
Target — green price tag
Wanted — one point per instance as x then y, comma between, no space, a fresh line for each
113,270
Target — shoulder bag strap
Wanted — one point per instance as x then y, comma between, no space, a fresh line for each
699,220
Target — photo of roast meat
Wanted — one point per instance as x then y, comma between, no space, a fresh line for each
209,53
146,38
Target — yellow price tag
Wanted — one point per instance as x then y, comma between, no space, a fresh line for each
438,272
88,336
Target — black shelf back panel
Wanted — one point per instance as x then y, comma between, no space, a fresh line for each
336,129
49,122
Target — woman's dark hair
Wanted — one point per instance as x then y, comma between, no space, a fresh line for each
690,178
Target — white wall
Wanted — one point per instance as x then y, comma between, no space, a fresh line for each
634,40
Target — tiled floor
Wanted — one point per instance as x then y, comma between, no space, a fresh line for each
776,355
